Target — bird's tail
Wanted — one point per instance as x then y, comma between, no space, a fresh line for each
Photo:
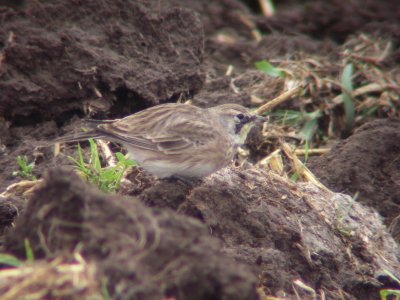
80,136
92,124
91,132
69,138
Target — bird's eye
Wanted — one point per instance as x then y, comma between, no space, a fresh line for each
239,117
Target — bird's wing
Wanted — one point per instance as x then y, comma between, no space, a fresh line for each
183,135
175,136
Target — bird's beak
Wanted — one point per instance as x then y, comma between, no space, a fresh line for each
249,119
254,118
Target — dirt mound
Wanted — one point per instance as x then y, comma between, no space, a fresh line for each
121,51
287,231
143,253
368,162
8,212
281,230
333,19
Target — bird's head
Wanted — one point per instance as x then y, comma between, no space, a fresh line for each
234,118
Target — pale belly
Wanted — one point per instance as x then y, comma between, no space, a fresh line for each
170,166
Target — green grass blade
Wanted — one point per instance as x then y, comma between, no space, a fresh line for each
392,276
124,161
266,67
94,156
306,153
104,290
28,251
288,117
80,156
10,260
385,293
21,161
308,129
120,157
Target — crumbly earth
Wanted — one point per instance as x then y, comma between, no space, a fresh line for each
144,253
238,229
376,145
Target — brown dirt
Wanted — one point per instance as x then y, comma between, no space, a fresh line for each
335,19
119,52
275,225
376,145
144,253
57,66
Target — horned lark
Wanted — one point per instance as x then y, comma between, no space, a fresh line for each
175,139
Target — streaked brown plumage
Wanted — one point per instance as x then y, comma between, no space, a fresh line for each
175,139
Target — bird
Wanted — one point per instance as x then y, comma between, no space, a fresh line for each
175,139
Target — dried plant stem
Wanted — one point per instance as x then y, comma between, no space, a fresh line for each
278,100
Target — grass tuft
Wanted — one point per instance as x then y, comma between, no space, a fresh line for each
107,179
25,168
306,121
